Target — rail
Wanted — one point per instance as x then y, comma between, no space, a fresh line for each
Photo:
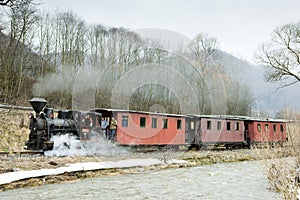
26,152
15,107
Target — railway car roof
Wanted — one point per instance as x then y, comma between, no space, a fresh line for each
264,119
219,117
228,117
135,111
244,118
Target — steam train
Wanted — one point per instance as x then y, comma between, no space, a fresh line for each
137,128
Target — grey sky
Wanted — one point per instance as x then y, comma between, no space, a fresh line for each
239,25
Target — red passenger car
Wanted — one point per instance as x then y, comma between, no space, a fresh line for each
146,128
215,130
265,130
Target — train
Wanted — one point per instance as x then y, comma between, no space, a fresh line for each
138,128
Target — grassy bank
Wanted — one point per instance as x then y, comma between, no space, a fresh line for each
13,129
284,174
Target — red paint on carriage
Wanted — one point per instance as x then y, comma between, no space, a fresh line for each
269,130
216,130
146,128
141,128
222,130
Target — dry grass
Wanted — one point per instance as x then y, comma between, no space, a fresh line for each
294,136
283,173
13,129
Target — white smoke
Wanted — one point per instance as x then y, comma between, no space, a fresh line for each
66,145
55,82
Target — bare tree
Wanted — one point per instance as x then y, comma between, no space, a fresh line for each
202,50
16,55
69,39
45,44
16,3
96,44
282,55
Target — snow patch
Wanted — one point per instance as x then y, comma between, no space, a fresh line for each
19,175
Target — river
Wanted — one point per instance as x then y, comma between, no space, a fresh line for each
240,180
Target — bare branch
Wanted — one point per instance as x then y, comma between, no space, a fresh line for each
4,2
282,55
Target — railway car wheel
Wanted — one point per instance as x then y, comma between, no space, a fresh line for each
194,146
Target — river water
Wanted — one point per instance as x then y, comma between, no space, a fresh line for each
240,180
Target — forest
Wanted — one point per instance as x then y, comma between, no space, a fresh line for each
77,65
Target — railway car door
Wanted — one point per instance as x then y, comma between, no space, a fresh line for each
246,133
192,130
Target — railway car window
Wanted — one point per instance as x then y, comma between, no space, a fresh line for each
192,125
274,128
266,128
258,128
237,126
208,125
165,123
228,125
124,121
142,122
154,123
281,128
178,123
219,125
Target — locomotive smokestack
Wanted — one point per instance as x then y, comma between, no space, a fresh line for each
38,104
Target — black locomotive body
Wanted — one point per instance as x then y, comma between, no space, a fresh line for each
81,125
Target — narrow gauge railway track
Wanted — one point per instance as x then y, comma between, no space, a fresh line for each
26,152
3,106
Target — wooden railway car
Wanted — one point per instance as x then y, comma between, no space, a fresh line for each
146,128
215,130
259,130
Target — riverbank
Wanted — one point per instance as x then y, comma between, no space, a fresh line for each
11,163
224,181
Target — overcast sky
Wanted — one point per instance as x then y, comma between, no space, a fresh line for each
239,25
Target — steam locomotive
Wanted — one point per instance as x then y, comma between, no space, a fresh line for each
79,124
